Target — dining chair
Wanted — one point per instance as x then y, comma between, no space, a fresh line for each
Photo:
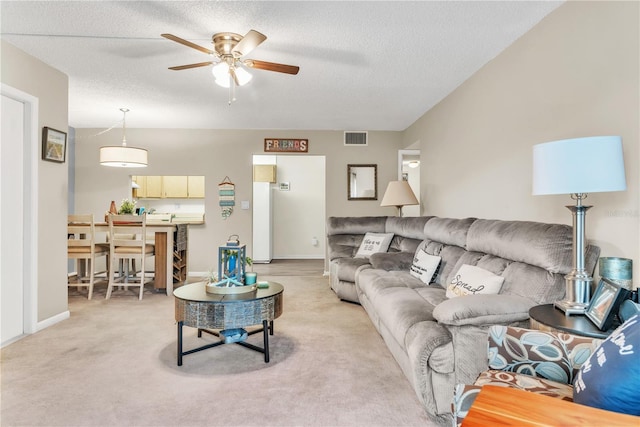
82,246
123,247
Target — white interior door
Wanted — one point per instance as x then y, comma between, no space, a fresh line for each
11,220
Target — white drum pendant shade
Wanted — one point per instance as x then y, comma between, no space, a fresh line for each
123,157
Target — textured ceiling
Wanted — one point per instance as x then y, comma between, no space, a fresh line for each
363,65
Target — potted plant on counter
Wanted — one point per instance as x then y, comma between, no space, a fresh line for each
127,207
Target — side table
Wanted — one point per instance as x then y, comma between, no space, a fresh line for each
548,318
507,406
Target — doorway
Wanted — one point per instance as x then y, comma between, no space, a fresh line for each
409,170
289,213
18,215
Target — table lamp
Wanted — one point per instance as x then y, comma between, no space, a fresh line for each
399,194
577,167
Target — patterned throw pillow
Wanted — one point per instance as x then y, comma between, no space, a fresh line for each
424,266
472,280
373,243
610,378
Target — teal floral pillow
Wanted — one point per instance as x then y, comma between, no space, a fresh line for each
550,355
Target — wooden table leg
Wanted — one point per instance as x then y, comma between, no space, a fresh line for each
160,281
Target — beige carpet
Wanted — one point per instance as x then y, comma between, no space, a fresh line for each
113,363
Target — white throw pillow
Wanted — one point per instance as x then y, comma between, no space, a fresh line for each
472,280
373,243
424,266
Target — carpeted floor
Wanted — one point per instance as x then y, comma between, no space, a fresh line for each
113,363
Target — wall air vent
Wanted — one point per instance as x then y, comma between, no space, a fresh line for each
355,138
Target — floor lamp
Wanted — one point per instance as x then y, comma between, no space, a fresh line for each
399,194
577,167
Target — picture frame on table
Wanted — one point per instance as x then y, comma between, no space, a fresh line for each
604,305
54,145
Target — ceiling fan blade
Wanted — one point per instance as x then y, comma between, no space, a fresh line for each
272,66
186,67
249,42
188,44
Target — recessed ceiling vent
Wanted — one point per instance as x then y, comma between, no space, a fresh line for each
355,138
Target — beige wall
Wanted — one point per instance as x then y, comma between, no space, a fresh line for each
574,74
51,87
219,153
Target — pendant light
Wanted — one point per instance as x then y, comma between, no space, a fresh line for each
121,155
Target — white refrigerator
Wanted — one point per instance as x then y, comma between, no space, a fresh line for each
262,222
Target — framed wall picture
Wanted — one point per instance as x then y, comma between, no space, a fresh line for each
54,145
605,303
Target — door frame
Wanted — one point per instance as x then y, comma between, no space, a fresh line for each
30,225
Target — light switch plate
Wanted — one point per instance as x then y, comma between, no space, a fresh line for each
244,204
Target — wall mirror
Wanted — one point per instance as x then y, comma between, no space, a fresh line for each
362,182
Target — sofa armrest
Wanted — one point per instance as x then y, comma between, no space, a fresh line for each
392,260
483,310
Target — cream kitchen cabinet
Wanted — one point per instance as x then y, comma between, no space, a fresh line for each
169,187
153,187
196,187
175,187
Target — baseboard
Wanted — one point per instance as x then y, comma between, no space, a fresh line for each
197,273
52,320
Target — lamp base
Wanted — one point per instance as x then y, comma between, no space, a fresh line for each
571,307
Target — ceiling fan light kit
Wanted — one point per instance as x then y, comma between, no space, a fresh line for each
123,156
229,48
224,77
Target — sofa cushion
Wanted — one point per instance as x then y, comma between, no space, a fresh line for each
391,260
471,280
449,231
424,266
373,282
449,255
346,268
609,379
410,227
356,225
373,243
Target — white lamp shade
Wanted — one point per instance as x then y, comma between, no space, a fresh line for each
220,72
243,76
123,157
222,76
580,165
399,193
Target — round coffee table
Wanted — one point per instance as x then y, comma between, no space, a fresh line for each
196,308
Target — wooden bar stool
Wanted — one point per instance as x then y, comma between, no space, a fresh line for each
82,247
123,247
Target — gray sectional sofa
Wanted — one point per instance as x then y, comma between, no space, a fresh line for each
438,341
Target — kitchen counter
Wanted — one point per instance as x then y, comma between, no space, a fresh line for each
175,218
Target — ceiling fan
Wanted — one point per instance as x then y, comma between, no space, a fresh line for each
229,50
